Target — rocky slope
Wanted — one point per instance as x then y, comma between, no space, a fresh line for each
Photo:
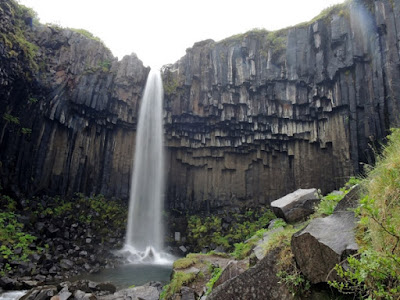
68,108
258,115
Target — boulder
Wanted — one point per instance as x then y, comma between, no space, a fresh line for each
258,282
233,269
350,200
45,292
324,243
296,206
258,250
187,293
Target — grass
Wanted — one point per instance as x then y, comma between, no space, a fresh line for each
179,279
374,273
185,262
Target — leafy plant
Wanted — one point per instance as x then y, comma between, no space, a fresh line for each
216,273
204,231
10,118
26,130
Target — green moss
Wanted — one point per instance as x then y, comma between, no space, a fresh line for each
185,262
87,34
178,280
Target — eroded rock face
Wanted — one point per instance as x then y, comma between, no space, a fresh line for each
257,116
247,120
77,116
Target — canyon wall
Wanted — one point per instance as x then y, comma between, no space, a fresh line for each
68,108
260,114
247,119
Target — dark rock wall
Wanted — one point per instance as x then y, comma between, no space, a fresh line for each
258,115
247,119
79,105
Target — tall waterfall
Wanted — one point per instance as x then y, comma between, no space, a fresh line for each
145,231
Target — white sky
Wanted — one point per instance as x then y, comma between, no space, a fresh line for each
159,31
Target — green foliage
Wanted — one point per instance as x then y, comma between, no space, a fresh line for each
10,118
295,282
7,203
12,237
216,273
374,275
242,250
16,40
105,65
375,272
26,130
329,202
32,100
206,230
178,280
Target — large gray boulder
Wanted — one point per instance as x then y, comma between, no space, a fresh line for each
324,243
296,206
258,282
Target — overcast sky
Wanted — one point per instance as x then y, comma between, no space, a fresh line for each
159,31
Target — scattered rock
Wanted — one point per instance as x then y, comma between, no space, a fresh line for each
183,249
233,269
145,292
258,282
296,206
187,293
350,200
324,243
41,293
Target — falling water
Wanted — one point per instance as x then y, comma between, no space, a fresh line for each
145,230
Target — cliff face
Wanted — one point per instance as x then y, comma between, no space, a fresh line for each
259,115
68,110
247,119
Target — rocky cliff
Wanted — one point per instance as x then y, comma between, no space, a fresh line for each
247,119
258,115
68,108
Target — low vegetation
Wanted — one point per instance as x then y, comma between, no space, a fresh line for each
374,273
204,231
18,240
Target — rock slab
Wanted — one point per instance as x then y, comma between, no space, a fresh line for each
296,206
324,243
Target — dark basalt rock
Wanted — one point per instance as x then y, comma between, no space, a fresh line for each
296,206
323,244
247,120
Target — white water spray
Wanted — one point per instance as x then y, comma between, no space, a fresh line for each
144,238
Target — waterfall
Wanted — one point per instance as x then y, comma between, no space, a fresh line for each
144,238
